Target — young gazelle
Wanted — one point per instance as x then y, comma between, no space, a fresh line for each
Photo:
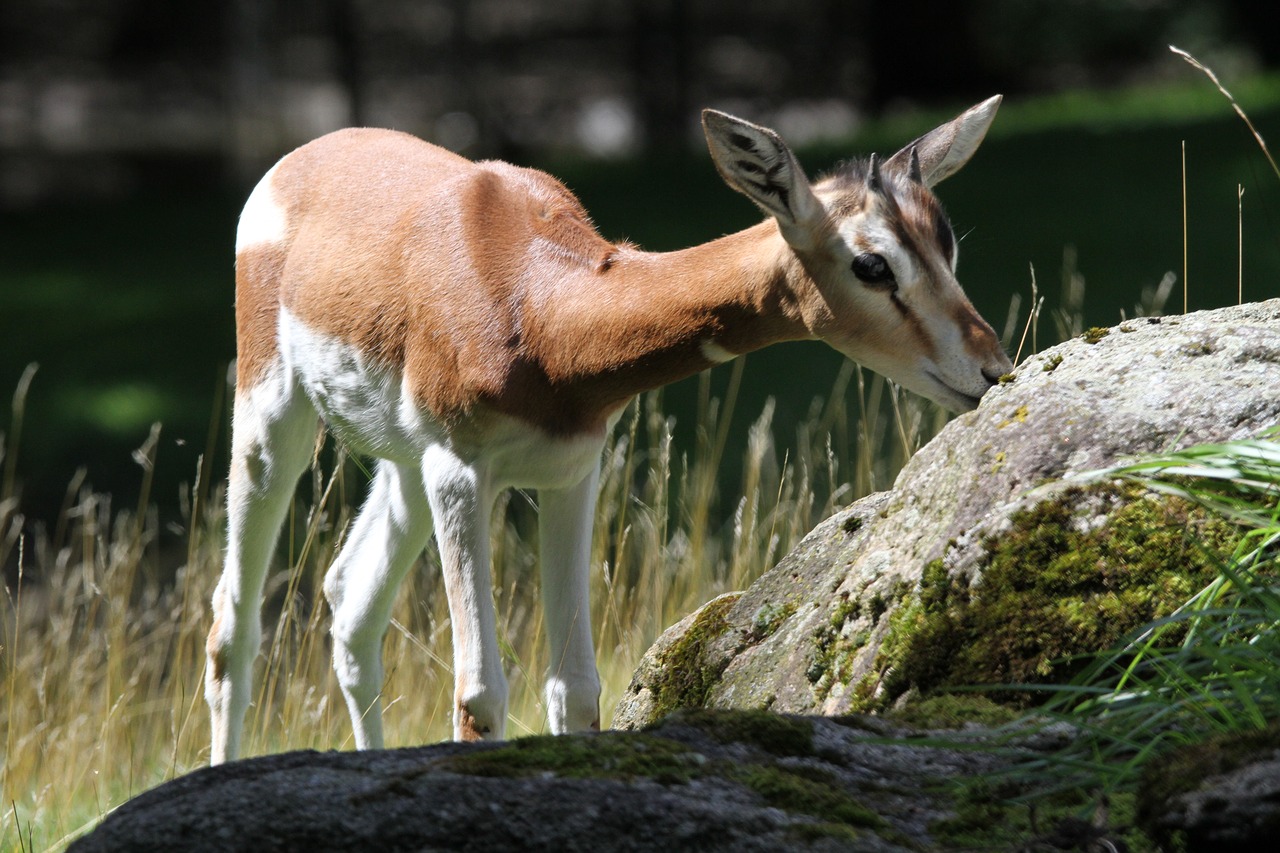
465,324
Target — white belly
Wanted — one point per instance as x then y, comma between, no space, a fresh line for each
369,408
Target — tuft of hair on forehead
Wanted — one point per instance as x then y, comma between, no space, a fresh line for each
845,190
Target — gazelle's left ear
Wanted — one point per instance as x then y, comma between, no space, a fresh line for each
943,150
757,163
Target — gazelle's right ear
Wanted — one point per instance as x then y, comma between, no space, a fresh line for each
757,163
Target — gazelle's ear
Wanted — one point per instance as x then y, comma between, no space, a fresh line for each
942,151
757,163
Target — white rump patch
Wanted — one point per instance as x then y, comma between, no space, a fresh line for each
263,219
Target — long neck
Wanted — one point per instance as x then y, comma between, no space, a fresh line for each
647,319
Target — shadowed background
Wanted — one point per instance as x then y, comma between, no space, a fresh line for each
131,131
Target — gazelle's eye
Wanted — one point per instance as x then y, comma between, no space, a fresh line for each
872,268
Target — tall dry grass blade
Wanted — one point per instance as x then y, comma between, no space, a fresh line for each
1184,226
8,484
1033,318
1239,244
1195,63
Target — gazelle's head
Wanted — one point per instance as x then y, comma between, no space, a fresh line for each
877,253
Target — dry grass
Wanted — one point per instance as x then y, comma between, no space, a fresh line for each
101,639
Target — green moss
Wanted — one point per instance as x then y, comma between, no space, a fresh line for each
609,755
992,818
768,618
1007,378
953,711
810,792
772,733
832,653
1050,592
1095,334
1052,362
1196,348
685,677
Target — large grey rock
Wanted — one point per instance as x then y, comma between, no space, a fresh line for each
715,782
840,625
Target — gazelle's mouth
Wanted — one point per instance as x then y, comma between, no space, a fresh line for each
952,397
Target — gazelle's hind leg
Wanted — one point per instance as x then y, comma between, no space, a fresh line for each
391,531
573,685
461,504
273,435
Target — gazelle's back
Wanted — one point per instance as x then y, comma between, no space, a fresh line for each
419,259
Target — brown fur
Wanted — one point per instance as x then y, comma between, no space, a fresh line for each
489,287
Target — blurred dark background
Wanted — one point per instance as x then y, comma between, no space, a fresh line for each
131,131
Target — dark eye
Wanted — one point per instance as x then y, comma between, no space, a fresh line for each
872,268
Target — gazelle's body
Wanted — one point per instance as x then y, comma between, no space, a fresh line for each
465,324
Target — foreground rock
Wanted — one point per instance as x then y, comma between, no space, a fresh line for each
704,781
1223,794
983,565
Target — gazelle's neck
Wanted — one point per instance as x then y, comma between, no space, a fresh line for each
646,319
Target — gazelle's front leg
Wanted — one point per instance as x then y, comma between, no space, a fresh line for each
390,532
461,501
565,523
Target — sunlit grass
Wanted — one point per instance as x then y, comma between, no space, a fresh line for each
102,640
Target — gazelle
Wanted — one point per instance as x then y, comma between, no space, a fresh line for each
465,324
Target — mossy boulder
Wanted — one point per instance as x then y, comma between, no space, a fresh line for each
705,780
995,558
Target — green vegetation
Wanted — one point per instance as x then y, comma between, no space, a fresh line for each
772,733
683,676
1054,588
1210,667
610,755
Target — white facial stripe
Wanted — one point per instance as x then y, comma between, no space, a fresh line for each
264,220
868,231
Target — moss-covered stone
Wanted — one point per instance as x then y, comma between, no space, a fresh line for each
768,618
798,788
1073,576
1185,769
791,789
833,652
609,756
952,711
992,817
684,676
772,733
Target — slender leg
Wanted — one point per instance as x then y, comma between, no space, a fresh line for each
391,531
461,503
273,434
573,685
